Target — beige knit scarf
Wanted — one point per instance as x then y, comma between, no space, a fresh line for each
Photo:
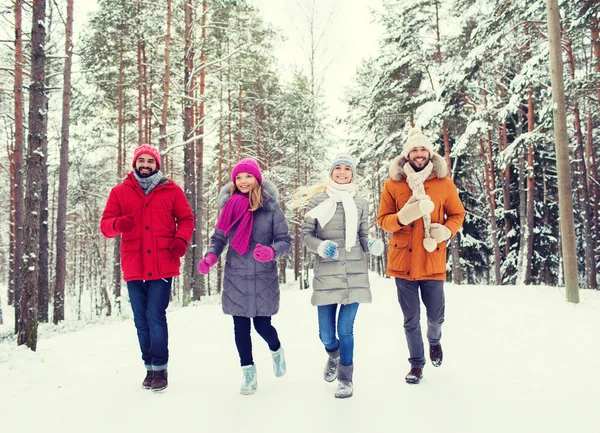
415,180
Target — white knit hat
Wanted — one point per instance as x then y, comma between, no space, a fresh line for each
416,139
342,158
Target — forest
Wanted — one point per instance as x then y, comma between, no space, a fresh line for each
200,80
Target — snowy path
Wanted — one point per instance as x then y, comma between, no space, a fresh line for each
517,359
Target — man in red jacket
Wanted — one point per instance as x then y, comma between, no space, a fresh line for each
156,223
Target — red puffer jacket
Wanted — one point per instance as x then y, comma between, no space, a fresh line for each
159,218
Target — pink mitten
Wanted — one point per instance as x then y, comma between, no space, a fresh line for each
206,263
263,254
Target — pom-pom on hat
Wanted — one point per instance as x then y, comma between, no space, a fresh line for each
342,158
416,139
247,165
147,149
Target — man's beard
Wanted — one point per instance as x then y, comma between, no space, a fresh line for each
146,174
417,169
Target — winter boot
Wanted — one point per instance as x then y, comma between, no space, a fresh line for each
436,355
345,387
147,383
250,381
279,367
331,366
414,376
159,381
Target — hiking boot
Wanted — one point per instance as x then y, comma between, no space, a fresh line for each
159,381
250,381
436,355
345,387
147,383
279,367
414,376
331,366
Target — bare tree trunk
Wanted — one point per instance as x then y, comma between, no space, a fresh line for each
28,318
140,74
530,193
162,142
188,152
567,226
454,242
18,164
63,177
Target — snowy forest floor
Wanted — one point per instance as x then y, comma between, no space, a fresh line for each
516,359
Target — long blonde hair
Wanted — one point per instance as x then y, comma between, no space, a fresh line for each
303,195
255,195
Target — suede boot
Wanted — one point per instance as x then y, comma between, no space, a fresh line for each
159,381
436,354
414,376
147,383
345,387
331,366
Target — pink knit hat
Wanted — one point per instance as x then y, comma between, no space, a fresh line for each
247,165
148,149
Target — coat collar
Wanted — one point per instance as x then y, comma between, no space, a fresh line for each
270,195
397,167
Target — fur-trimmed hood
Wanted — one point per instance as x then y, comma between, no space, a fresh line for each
270,195
397,167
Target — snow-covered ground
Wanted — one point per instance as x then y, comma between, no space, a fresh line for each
517,359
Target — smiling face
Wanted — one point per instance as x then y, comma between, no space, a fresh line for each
342,174
418,158
145,165
245,182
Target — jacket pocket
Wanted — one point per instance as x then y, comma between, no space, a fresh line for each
131,260
436,260
399,255
167,264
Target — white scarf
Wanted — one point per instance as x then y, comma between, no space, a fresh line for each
415,181
324,212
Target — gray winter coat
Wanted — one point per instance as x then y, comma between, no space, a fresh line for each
251,288
344,280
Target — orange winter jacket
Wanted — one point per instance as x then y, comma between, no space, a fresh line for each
407,258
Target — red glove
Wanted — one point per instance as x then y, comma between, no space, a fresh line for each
124,224
178,247
206,263
263,254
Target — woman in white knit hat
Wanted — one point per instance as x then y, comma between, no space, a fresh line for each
335,228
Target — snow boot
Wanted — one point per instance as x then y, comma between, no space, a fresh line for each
414,376
436,355
159,381
331,366
250,381
345,387
279,367
147,383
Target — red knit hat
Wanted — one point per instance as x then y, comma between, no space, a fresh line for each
148,149
247,165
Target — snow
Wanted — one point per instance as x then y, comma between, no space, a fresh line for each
517,359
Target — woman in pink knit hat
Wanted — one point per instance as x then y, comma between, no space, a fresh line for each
253,225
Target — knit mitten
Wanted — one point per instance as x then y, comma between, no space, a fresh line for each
440,232
206,263
124,224
178,247
376,246
328,250
263,254
414,209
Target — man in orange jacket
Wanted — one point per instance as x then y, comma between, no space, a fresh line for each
421,208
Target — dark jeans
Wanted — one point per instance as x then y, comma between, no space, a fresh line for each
149,301
345,329
243,341
432,293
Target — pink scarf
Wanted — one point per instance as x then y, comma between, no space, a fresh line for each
237,209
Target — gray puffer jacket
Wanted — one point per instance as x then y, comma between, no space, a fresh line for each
343,280
250,287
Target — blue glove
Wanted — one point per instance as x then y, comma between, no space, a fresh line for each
376,246
328,250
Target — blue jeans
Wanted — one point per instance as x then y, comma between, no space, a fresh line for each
243,340
149,302
432,293
345,329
